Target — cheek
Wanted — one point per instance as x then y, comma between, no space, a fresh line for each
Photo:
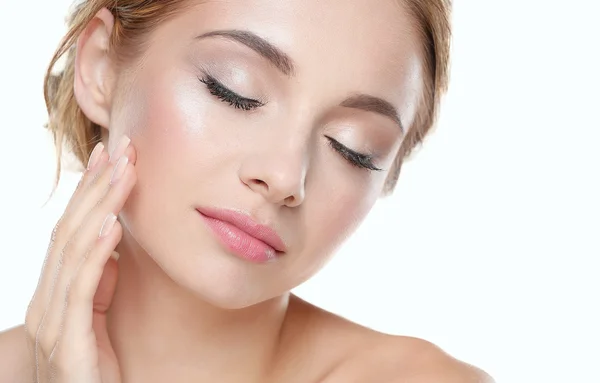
181,127
170,132
174,117
164,120
338,214
332,215
346,214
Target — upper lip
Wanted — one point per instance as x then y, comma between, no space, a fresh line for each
247,224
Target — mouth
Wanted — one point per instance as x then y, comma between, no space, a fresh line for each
243,236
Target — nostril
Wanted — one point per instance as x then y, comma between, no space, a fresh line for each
260,183
290,200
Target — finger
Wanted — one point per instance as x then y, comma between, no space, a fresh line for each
77,328
79,203
103,299
128,152
81,195
100,220
93,182
51,265
53,261
78,318
88,195
107,285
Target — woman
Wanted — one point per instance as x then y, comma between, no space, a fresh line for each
238,146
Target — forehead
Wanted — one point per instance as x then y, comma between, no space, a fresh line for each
368,46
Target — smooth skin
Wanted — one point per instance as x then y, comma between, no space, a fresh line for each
182,308
65,338
65,324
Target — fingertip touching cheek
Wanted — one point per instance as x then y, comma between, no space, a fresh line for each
292,115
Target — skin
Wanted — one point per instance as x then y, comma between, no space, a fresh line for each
184,308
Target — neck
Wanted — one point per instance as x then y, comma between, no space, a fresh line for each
161,332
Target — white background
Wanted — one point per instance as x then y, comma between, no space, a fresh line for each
490,245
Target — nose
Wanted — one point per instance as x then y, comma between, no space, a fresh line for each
278,175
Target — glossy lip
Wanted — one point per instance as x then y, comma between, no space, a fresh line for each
247,224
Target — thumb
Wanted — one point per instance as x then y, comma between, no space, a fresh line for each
102,301
107,285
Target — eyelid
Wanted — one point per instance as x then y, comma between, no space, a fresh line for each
229,90
365,161
223,93
208,72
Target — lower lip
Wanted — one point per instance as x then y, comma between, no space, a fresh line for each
239,242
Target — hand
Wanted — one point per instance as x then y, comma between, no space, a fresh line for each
66,318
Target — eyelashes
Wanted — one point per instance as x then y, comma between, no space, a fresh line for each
228,96
359,160
221,92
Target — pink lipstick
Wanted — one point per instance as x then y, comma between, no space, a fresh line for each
242,235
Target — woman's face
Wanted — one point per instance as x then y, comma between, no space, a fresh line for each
281,111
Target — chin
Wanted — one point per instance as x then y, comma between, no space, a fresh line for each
189,258
222,281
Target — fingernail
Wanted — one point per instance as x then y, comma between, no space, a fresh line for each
120,149
119,170
108,224
95,156
115,255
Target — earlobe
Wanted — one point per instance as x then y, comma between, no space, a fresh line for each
94,72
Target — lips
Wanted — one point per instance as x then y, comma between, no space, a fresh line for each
243,235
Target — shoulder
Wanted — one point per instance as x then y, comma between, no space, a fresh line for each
351,353
426,362
14,355
395,359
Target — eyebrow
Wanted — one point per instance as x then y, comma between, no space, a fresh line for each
276,56
375,105
284,63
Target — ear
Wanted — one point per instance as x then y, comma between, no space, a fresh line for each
94,69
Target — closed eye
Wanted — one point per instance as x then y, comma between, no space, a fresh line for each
220,91
360,160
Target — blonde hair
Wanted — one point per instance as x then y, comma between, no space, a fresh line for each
135,19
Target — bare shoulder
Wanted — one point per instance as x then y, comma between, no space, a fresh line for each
420,361
366,355
14,356
348,352
395,359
